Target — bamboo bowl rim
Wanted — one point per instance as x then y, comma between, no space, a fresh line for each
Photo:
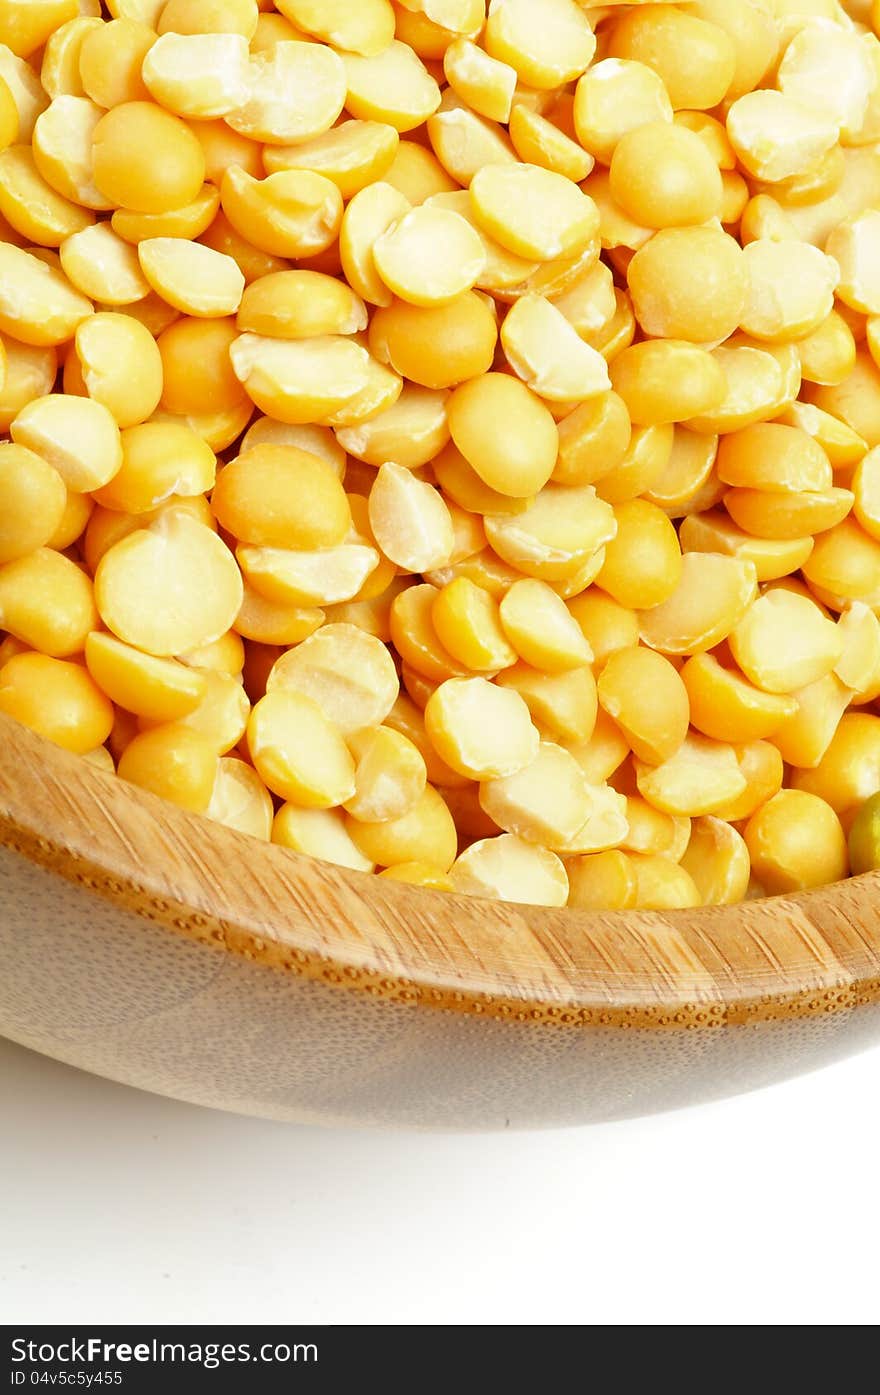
779,958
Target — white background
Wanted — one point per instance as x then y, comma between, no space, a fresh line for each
123,1207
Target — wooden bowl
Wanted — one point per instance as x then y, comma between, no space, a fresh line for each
158,949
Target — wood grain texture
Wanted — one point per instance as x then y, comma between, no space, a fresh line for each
782,958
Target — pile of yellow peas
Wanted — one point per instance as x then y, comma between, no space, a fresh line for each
444,438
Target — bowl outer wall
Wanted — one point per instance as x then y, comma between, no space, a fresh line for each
156,948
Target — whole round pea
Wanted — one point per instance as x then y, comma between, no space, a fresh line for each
647,699
752,29
663,176
57,698
34,499
864,837
689,283
280,496
426,832
173,761
796,841
505,433
696,59
209,17
849,771
196,369
111,59
436,346
663,381
643,562
146,159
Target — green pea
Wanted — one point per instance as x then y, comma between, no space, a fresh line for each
864,837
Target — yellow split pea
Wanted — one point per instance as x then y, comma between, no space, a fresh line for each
443,436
